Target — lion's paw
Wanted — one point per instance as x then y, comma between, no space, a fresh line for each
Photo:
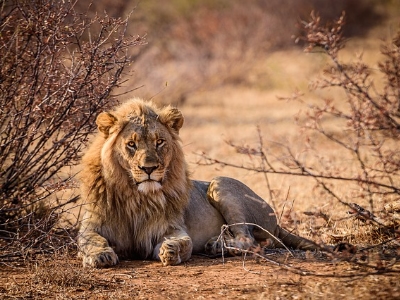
173,251
214,247
217,246
100,258
169,253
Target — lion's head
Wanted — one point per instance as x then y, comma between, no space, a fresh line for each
142,141
136,174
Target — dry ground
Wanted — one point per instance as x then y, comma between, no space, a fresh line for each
199,278
231,113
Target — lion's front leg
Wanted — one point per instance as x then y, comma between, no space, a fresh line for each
176,248
99,257
96,252
94,249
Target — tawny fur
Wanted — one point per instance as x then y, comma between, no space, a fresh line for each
132,222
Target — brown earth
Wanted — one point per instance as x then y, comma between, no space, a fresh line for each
199,278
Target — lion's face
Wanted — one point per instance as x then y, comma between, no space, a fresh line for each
141,141
144,152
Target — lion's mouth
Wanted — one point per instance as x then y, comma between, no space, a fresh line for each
147,181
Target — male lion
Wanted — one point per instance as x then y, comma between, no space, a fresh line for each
140,202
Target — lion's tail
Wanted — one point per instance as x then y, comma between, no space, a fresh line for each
294,241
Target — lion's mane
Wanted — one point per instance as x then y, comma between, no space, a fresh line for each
133,222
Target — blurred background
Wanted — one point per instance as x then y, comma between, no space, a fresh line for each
195,45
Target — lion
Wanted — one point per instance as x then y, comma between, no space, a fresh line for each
141,203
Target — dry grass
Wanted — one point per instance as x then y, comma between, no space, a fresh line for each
58,275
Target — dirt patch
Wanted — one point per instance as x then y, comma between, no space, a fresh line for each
199,278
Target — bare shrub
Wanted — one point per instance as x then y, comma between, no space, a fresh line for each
56,75
61,271
368,115
350,144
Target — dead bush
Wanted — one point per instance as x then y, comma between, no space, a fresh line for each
349,143
56,75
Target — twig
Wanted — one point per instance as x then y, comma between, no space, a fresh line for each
378,270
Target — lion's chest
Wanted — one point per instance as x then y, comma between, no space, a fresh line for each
142,222
135,238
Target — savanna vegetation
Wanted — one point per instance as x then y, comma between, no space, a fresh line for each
325,156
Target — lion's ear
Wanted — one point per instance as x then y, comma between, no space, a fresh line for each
171,117
104,122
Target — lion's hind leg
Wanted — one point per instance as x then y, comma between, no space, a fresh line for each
229,243
250,219
243,211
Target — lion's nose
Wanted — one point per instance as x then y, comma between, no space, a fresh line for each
148,170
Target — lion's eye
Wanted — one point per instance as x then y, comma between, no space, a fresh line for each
160,142
131,145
